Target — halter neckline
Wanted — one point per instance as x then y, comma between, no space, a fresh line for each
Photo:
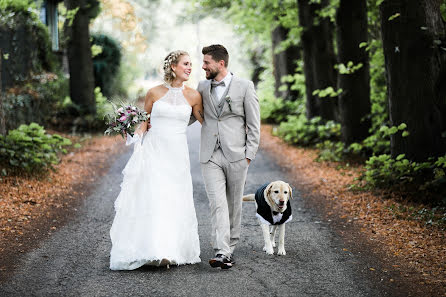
169,86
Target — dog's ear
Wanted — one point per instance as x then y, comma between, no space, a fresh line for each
268,190
290,191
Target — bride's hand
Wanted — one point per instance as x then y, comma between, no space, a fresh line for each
139,131
143,128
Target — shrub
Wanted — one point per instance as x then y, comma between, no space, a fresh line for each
26,46
379,142
106,63
39,100
275,110
71,114
29,148
331,151
31,90
299,130
16,5
103,106
383,171
378,87
434,216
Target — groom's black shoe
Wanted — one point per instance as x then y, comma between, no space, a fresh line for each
220,261
232,259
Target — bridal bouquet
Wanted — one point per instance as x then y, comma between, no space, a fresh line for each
125,119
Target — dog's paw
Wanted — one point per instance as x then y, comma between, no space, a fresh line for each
268,250
281,252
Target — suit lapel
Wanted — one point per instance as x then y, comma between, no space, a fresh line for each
231,92
232,87
209,98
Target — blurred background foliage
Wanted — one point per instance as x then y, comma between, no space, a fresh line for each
324,78
390,160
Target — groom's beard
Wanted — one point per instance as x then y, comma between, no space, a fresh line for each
211,74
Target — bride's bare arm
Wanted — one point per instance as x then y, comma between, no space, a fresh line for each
197,106
148,104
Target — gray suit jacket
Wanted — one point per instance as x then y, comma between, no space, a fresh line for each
238,125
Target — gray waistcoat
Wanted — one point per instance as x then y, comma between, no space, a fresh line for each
218,104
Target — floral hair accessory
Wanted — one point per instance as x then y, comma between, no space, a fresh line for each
171,58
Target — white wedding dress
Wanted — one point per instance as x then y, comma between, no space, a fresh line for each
155,215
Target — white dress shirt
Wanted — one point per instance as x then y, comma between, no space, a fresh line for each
220,90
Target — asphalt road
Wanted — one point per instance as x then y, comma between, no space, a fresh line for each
74,261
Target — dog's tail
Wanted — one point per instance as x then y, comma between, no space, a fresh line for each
250,197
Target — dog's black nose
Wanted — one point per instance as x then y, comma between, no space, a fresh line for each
281,202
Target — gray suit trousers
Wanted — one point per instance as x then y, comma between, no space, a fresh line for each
224,182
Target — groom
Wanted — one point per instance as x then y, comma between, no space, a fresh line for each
229,140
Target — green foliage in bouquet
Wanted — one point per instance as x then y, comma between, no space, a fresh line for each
30,148
125,119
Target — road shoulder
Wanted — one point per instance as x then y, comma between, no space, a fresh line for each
35,207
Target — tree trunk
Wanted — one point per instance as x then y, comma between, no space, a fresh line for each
284,63
2,111
319,59
255,58
414,42
79,57
354,101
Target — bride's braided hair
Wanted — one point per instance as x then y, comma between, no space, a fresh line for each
172,59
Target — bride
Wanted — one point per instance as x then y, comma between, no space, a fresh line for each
155,221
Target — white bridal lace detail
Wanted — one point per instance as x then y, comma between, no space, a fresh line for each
155,215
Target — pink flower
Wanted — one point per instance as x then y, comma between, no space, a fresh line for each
122,119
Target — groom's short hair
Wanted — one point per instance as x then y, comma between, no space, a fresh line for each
217,52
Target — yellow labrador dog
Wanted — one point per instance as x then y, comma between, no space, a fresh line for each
273,209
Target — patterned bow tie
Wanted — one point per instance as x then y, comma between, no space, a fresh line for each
217,83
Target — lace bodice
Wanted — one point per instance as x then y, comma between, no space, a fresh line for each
171,113
174,96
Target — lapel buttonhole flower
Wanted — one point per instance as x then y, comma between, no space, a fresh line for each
228,100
